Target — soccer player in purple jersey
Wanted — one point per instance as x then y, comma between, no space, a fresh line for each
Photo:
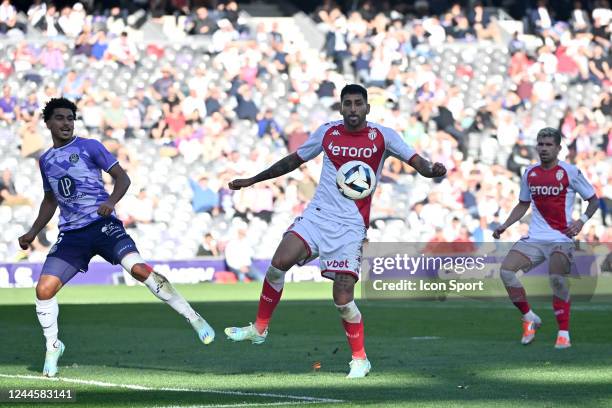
72,180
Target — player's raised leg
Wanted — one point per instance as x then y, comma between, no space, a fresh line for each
290,251
47,311
514,262
163,290
559,269
343,291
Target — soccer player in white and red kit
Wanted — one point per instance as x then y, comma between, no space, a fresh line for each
550,188
333,227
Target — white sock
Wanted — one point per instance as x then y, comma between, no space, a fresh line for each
163,290
563,333
530,316
276,278
47,311
349,312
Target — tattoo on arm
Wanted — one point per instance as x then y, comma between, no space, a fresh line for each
283,166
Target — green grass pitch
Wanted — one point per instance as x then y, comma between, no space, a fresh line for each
124,348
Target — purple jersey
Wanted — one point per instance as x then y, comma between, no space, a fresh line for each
73,173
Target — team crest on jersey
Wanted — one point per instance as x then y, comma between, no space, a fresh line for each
559,175
372,134
74,158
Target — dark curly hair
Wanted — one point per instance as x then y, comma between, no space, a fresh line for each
550,132
58,103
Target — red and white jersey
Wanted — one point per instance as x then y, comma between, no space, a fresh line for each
372,145
552,195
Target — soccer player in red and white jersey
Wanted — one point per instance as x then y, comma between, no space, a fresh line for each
333,227
550,188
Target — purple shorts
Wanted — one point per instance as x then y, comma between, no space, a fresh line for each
75,248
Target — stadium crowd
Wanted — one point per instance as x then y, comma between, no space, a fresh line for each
184,118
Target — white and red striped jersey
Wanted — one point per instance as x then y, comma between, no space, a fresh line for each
372,145
552,194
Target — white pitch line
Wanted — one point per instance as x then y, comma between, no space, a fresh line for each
244,404
300,398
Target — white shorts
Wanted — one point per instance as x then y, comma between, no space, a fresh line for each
338,246
539,251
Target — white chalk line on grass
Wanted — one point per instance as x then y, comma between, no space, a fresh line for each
244,404
298,398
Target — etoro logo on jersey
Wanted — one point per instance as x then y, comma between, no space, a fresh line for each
546,190
352,151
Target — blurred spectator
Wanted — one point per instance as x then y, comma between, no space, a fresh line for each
212,101
202,23
239,257
222,37
266,124
36,12
208,246
540,18
123,51
72,20
52,56
72,86
48,23
114,117
521,157
32,143
29,109
193,103
92,114
8,193
116,23
8,18
580,19
137,209
246,107
204,199
599,66
8,105
161,85
99,45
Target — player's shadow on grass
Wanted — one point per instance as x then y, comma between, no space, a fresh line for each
152,337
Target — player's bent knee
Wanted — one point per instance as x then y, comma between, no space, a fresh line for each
516,261
46,291
282,262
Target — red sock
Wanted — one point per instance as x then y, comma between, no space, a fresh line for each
562,312
519,298
354,335
267,303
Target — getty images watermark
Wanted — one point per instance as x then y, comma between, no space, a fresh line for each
471,270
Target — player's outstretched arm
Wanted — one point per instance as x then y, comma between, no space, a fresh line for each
46,211
517,213
122,183
281,167
426,168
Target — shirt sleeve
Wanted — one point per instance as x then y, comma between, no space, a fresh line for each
582,185
396,146
313,146
525,193
45,180
102,157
